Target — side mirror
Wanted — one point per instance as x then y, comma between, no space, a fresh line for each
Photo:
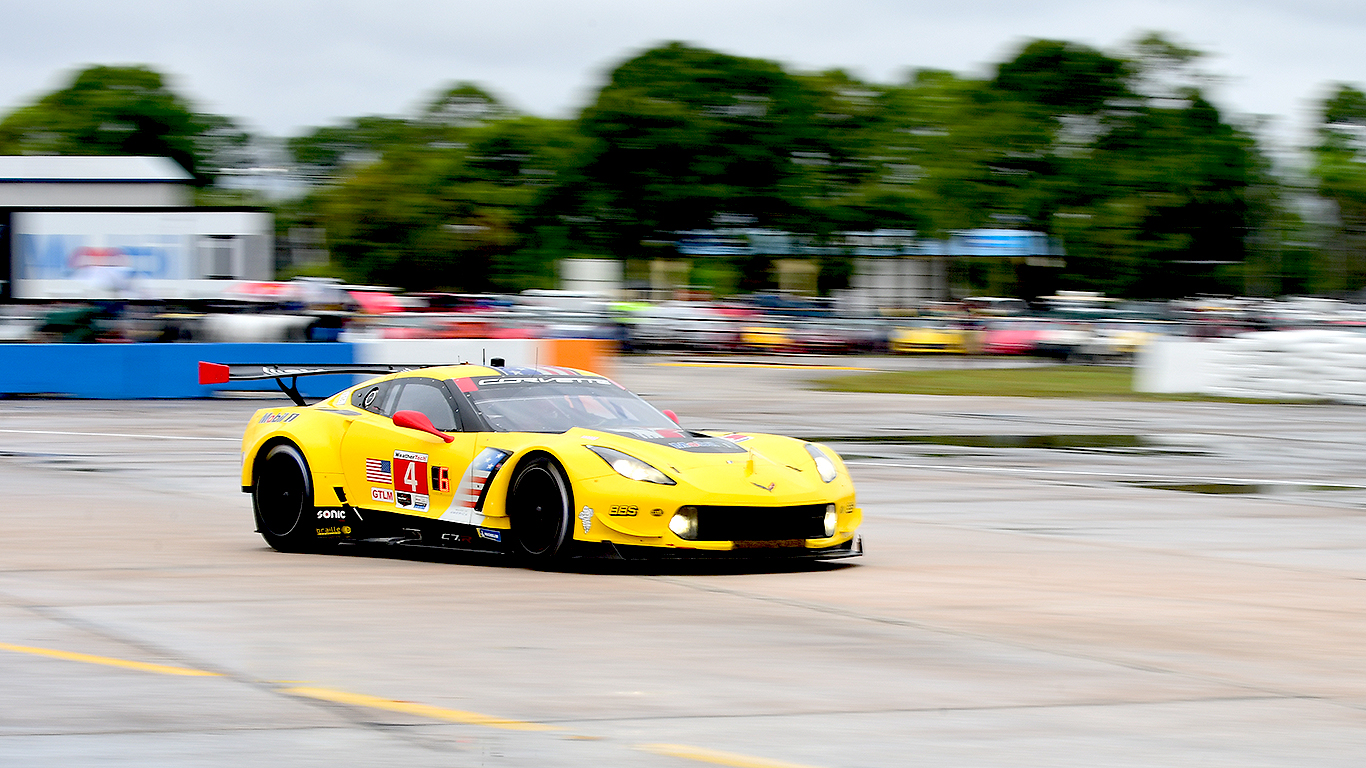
672,417
419,421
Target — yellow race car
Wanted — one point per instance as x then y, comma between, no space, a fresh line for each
929,337
543,463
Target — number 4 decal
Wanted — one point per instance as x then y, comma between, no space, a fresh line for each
410,472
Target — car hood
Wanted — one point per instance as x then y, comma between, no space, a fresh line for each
767,467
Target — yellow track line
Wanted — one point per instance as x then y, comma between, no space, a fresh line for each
716,756
161,669
412,708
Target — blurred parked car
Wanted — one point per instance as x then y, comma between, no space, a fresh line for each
1012,337
926,336
767,336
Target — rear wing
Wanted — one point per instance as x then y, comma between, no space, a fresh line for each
217,373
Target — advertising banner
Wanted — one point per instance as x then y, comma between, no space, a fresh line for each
136,254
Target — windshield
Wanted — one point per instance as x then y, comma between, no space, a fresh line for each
560,403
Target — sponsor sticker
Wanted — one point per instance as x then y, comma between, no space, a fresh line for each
491,535
736,438
543,380
623,510
331,514
385,495
414,501
586,517
274,417
410,472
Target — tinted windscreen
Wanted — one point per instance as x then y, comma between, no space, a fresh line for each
557,404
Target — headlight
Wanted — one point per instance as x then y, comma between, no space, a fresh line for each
832,520
824,465
684,523
630,466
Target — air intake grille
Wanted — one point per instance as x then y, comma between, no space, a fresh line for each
760,523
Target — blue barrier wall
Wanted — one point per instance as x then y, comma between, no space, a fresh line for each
135,371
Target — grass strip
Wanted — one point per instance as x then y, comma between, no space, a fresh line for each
1094,382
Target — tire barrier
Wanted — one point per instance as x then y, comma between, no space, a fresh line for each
1275,365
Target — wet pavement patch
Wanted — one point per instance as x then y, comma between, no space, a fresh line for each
64,461
1241,488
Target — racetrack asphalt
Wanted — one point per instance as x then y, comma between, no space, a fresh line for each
1042,587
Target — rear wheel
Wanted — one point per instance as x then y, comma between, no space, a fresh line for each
540,505
282,497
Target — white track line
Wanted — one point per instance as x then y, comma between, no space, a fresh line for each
1079,473
115,434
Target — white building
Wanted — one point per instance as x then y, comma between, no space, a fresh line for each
67,181
87,227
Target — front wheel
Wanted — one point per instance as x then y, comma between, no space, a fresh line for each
282,498
540,505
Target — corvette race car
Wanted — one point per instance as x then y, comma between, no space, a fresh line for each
543,463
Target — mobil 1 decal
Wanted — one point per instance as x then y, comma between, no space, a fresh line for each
410,481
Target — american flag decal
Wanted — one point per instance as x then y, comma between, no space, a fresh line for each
379,471
471,489
468,499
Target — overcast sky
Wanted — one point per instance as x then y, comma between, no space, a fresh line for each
284,66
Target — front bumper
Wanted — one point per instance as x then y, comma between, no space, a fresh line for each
751,550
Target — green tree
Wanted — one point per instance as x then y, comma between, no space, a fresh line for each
472,215
1340,171
326,154
1121,157
122,111
682,135
329,153
1063,78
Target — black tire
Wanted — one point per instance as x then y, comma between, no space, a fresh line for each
540,506
282,498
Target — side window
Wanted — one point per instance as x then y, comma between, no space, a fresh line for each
371,398
429,398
